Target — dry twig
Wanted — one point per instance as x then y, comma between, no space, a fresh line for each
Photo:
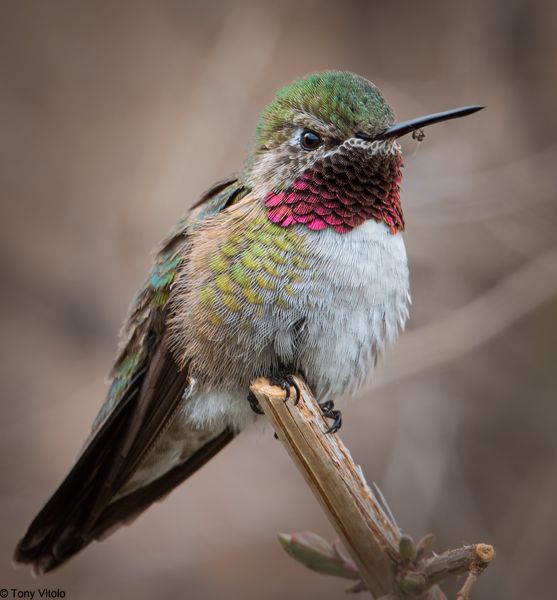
389,564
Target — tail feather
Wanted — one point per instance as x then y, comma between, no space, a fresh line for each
53,538
89,502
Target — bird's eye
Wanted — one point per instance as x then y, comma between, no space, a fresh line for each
309,140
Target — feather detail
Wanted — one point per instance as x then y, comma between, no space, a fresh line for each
349,182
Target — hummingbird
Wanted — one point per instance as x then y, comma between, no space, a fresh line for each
295,265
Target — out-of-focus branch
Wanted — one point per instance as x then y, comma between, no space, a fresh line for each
389,564
478,195
474,324
473,558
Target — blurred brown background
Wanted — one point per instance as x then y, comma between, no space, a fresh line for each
115,116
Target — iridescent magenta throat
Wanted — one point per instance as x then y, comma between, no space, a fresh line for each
342,191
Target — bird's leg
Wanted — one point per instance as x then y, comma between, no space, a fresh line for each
286,381
283,380
328,410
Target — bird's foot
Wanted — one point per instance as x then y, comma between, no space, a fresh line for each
328,410
254,404
286,381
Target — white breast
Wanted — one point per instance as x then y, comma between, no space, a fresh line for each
360,305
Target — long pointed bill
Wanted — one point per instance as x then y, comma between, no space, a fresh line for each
399,129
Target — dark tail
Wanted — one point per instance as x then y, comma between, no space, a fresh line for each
84,507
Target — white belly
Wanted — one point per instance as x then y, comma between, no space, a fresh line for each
361,306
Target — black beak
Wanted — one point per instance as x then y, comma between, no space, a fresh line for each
399,129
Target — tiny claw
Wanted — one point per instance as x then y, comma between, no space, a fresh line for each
297,390
254,404
287,382
328,410
337,421
286,387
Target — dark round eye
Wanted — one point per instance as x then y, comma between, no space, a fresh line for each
309,140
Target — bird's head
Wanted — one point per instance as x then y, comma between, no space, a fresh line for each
326,154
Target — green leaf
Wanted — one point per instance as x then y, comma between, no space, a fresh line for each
425,546
317,554
407,549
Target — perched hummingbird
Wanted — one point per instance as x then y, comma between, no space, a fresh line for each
295,265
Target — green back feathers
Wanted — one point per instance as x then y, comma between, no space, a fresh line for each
343,99
146,317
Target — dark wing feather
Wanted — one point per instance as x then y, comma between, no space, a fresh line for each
68,521
146,391
133,504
